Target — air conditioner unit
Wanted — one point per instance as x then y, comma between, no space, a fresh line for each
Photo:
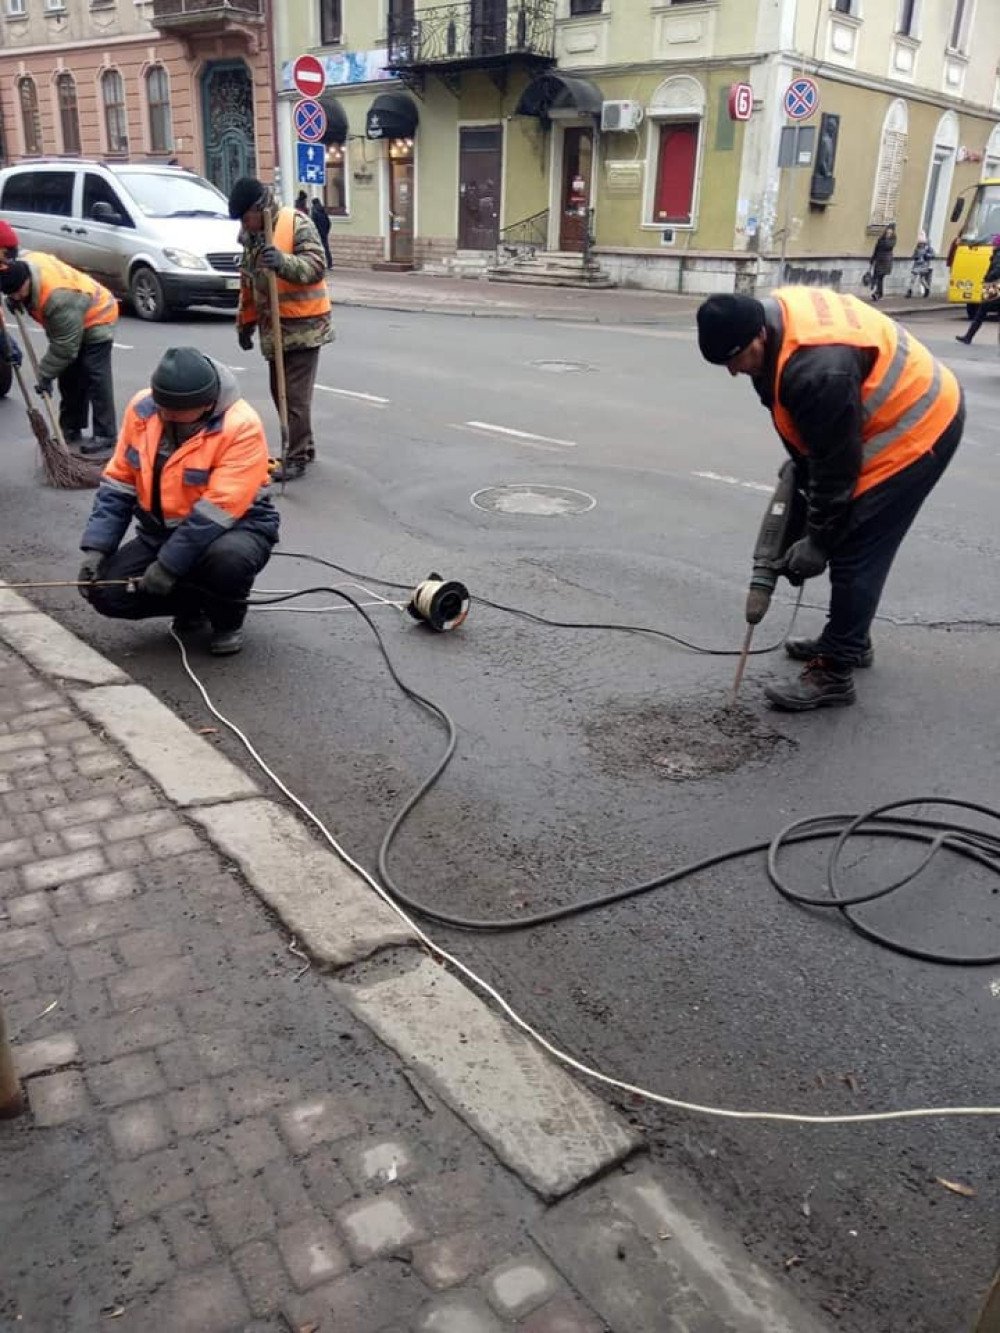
619,116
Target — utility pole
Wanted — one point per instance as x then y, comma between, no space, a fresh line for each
11,1097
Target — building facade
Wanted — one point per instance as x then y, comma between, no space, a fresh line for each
468,130
146,80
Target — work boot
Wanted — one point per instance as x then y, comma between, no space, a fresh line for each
225,642
290,471
805,650
821,685
189,622
100,444
963,338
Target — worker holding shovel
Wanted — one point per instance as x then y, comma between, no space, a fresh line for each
284,297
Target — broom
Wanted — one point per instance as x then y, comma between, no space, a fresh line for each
279,351
63,470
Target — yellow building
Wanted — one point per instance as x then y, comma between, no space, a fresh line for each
481,133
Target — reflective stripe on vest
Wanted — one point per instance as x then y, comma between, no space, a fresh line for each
54,275
908,399
296,301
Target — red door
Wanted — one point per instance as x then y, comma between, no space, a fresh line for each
574,215
675,173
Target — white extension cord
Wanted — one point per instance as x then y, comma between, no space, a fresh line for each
563,1057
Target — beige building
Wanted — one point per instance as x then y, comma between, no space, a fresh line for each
147,80
465,132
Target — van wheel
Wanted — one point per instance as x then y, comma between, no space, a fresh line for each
6,378
145,291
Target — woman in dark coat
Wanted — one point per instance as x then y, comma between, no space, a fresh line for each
321,221
985,307
881,261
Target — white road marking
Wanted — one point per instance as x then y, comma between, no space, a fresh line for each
372,399
527,436
124,347
995,989
735,481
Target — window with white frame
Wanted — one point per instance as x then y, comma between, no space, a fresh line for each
907,25
958,38
69,114
54,6
676,119
161,139
891,160
115,121
31,121
940,175
991,158
851,7
17,9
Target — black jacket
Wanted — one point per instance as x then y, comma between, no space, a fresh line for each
993,272
320,218
821,390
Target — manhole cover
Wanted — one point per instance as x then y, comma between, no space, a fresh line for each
561,367
682,741
541,501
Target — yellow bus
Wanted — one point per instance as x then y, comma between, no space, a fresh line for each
969,256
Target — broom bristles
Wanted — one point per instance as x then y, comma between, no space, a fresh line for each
66,471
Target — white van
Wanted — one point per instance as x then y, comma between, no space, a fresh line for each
159,237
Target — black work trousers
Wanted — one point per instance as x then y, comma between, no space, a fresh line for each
301,366
217,585
878,522
86,387
983,312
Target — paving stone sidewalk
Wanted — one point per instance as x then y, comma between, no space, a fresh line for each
215,1143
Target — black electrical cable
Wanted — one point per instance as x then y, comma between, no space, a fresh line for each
967,842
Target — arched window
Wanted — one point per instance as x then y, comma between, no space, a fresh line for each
891,159
31,122
991,158
115,121
940,174
69,115
161,138
676,114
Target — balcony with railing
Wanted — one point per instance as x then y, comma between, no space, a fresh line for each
206,17
473,34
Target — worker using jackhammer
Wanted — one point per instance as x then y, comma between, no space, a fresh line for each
871,420
191,467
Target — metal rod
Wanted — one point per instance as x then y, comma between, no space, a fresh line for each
11,1096
742,664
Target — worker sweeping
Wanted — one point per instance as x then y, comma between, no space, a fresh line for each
191,467
79,318
293,258
871,420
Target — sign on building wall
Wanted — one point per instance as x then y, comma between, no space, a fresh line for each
345,68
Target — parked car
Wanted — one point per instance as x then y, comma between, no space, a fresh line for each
159,237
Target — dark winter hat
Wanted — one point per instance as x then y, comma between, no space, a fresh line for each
184,378
8,236
14,276
245,194
726,325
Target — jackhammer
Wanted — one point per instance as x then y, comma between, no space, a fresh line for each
783,524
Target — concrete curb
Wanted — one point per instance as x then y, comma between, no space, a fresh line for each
553,1133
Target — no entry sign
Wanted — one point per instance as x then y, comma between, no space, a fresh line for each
309,76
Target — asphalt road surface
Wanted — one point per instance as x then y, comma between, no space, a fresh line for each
588,760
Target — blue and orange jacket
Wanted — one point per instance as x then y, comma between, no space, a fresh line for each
216,481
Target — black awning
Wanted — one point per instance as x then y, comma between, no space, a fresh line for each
391,116
336,120
557,92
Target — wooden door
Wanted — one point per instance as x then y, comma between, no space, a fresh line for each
574,213
488,35
480,166
401,210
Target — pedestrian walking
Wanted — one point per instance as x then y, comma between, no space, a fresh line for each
881,261
871,420
79,318
191,468
296,258
302,202
921,266
990,302
321,221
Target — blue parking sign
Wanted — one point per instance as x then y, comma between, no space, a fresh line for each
312,164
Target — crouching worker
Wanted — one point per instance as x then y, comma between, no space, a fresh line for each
191,468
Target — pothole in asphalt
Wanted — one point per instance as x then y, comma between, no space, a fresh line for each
540,501
683,741
561,367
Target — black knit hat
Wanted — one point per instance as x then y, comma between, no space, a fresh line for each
726,325
247,193
184,378
14,276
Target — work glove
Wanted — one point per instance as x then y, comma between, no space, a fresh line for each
805,559
157,580
90,571
245,335
270,257
44,387
15,306
10,351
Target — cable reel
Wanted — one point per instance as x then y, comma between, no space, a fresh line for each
440,604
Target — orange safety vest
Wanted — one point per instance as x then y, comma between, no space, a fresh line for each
294,300
54,275
909,398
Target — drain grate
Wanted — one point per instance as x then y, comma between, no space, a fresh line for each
539,501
